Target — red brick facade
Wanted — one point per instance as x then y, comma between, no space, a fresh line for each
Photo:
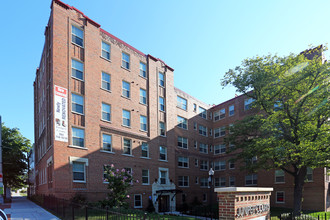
190,148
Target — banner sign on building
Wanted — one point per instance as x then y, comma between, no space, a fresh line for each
61,113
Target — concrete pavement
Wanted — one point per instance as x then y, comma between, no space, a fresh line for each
24,209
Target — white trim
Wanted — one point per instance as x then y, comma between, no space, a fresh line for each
243,189
78,159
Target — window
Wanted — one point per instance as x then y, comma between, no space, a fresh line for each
204,165
231,128
183,181
163,175
143,123
126,118
105,50
128,170
77,36
202,130
106,81
126,89
231,164
161,104
222,113
220,182
127,147
248,103
309,175
203,148
196,162
195,126
105,173
220,165
220,149
162,128
204,197
183,142
77,69
162,153
217,116
211,132
195,107
195,144
196,180
106,142
138,201
78,137
202,112
251,179
144,150
232,181
161,79
280,197
183,162
77,103
279,176
182,122
182,103
78,170
204,182
145,177
143,70
125,60
143,96
219,132
231,110
106,110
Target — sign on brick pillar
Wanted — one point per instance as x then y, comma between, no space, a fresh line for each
244,202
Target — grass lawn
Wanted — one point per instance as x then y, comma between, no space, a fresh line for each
275,212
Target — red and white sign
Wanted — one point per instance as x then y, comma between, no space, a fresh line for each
61,113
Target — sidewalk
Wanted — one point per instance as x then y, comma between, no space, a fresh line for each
23,209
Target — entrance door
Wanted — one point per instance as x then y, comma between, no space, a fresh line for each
164,203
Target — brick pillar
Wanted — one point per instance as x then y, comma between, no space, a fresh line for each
244,202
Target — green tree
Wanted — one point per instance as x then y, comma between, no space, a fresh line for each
289,125
14,155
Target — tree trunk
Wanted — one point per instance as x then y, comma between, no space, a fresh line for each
299,181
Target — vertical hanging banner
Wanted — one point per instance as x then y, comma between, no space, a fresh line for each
61,113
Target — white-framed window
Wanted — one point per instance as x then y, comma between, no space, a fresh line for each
195,126
220,132
143,123
248,103
183,181
196,180
137,201
309,175
125,62
202,130
210,131
204,182
163,175
183,162
196,162
107,142
279,176
220,165
106,112
182,122
181,103
231,110
162,129
77,69
145,177
77,36
105,50
79,171
162,153
222,113
127,148
204,164
77,102
202,112
105,173
219,149
143,96
161,104
182,142
203,148
106,81
280,197
220,182
161,79
195,107
251,179
126,89
216,116
126,118
78,137
143,70
232,181
231,164
144,150
195,144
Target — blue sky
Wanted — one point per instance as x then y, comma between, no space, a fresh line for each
201,40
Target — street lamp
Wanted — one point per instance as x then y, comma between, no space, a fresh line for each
211,174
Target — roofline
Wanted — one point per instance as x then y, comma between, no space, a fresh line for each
227,101
175,88
157,59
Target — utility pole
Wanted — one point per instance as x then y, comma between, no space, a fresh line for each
1,174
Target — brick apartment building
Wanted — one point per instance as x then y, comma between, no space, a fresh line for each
100,101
